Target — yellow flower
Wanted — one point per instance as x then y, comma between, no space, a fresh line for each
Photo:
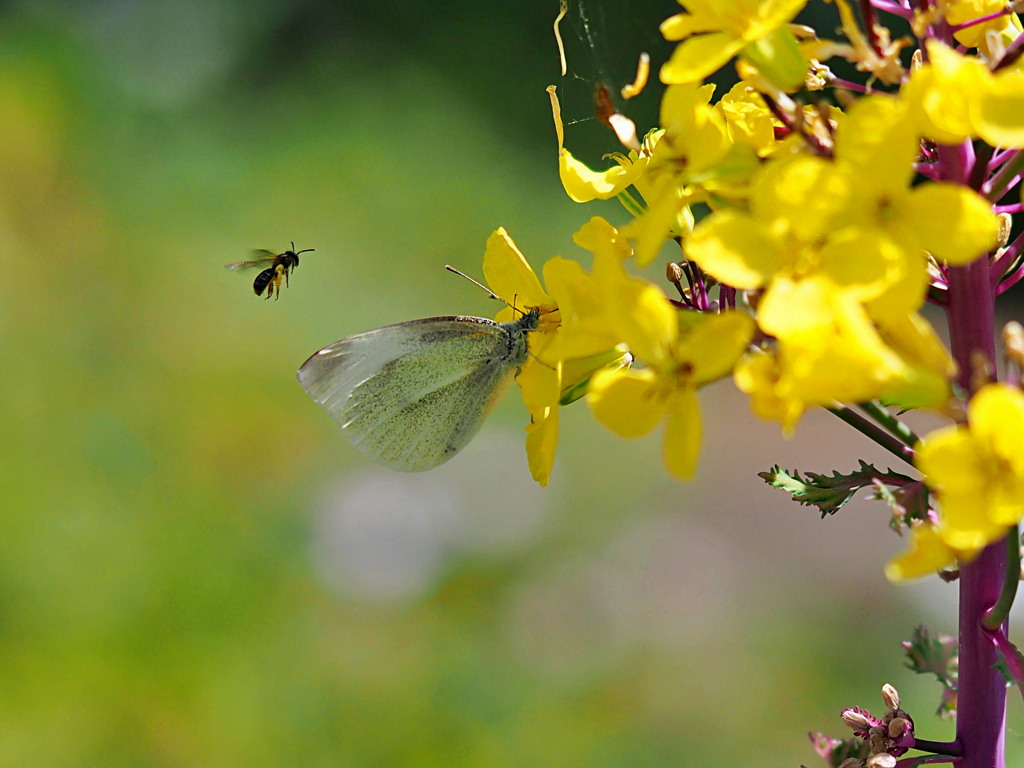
1004,29
940,92
977,470
996,115
694,144
510,276
683,351
712,32
875,151
759,374
828,350
954,97
839,250
748,119
588,328
583,184
547,377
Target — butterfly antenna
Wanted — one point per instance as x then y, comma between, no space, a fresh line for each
477,283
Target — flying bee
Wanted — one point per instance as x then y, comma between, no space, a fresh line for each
277,267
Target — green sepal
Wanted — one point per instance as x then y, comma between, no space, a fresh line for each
778,57
581,370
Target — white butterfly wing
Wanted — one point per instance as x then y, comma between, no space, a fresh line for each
412,395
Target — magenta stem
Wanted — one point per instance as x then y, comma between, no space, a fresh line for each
896,9
981,692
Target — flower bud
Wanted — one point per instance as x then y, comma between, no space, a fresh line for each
1005,221
897,727
877,742
890,696
674,272
856,720
1013,341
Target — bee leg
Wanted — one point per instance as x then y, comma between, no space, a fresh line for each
277,279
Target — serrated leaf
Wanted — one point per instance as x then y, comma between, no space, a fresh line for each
829,493
928,654
935,655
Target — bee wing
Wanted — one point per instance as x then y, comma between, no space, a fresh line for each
411,395
238,266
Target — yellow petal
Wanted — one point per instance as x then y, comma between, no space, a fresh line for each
914,339
797,309
541,388
697,57
715,345
626,402
587,324
878,141
955,223
927,554
541,442
734,248
996,416
645,320
863,261
508,273
778,58
949,461
682,439
905,293
541,385
603,240
805,193
757,374
996,115
965,524
664,217
583,184
682,25
940,93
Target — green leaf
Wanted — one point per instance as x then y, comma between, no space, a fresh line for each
1011,670
935,655
829,493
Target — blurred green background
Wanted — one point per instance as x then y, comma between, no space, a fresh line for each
195,567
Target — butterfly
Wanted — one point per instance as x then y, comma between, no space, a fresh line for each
412,395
